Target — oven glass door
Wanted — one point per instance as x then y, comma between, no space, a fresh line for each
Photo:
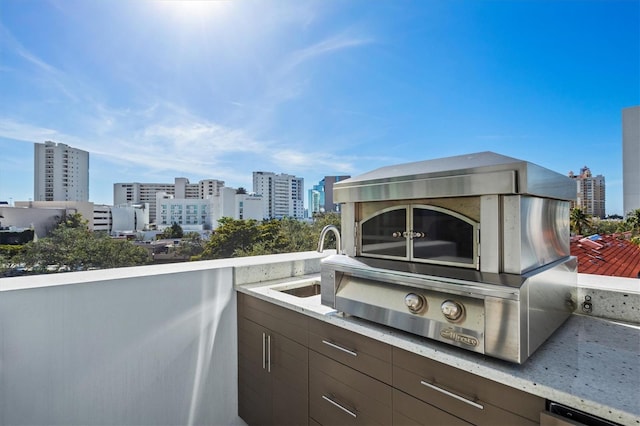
441,236
421,233
385,234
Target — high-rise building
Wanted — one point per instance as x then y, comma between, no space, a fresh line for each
282,194
135,192
590,193
321,195
630,159
316,199
61,173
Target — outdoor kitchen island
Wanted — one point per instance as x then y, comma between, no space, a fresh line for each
300,362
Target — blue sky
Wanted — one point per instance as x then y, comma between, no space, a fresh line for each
218,89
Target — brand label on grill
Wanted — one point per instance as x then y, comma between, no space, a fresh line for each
451,334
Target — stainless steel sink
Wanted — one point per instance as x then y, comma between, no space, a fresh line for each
307,289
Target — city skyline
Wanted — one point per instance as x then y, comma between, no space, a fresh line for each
221,89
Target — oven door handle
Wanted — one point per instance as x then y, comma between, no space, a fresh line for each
452,395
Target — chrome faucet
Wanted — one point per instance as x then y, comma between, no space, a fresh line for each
324,233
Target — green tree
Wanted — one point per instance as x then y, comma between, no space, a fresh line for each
191,245
605,226
231,238
174,231
72,247
236,237
10,258
579,221
74,221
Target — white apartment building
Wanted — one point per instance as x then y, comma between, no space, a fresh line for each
61,173
283,194
203,214
631,159
135,192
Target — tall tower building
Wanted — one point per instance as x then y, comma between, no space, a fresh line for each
282,194
61,173
321,195
630,159
590,193
316,198
329,181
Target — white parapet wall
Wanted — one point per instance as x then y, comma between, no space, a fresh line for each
131,346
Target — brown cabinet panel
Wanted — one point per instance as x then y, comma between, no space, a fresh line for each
313,422
473,398
272,369
253,379
408,410
357,351
288,323
290,385
341,395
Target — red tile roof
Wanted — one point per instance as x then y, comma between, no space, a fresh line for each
610,255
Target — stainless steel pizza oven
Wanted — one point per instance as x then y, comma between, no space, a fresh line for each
471,250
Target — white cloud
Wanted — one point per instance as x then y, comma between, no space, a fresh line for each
18,131
324,47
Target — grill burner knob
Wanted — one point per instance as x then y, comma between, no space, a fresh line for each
451,310
414,302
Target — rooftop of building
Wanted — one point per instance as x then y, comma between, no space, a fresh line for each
610,255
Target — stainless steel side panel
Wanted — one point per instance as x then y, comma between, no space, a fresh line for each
491,230
503,330
552,296
348,229
515,329
535,232
329,279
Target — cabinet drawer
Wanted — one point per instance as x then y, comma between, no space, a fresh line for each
362,353
471,397
339,395
409,411
288,323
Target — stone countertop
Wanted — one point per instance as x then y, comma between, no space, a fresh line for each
589,364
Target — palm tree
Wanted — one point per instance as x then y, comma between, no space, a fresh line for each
579,221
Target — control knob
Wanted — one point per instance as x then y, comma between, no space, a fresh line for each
453,311
415,302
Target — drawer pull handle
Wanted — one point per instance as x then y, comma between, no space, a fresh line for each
452,395
269,353
340,348
346,410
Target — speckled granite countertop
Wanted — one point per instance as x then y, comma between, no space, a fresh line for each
589,363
